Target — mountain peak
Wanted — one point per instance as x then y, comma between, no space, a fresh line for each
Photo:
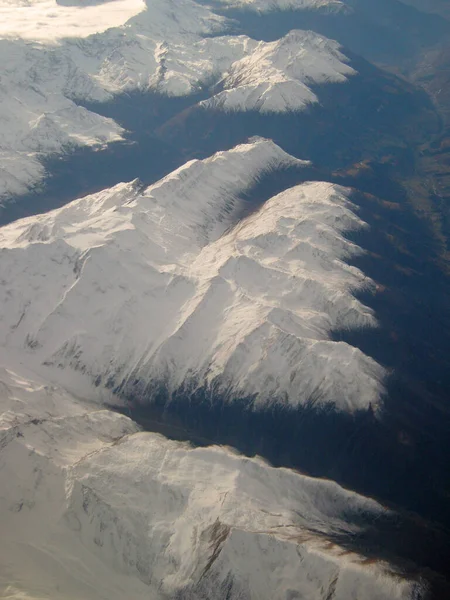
196,291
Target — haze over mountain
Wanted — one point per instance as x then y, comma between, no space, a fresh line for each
224,322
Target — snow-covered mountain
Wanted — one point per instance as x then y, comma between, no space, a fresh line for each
91,508
171,48
174,286
221,303
275,76
174,48
38,117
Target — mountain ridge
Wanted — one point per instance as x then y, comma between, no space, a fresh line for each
186,236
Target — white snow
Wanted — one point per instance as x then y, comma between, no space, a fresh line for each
170,285
38,116
166,48
271,77
50,21
275,76
91,508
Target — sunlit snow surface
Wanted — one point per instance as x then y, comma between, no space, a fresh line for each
167,48
49,21
169,286
91,508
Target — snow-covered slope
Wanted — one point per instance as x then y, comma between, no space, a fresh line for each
237,63
275,76
91,508
166,48
171,286
38,116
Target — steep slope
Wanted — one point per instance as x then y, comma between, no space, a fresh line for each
90,507
167,49
39,116
173,49
230,302
391,31
171,287
275,77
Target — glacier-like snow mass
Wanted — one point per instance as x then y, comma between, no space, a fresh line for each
172,48
174,286
92,508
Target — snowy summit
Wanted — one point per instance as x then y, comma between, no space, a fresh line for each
173,285
171,48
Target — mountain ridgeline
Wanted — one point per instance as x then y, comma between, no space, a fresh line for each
273,276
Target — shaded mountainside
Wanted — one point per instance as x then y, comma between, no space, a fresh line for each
404,458
186,299
90,504
388,30
373,114
252,286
